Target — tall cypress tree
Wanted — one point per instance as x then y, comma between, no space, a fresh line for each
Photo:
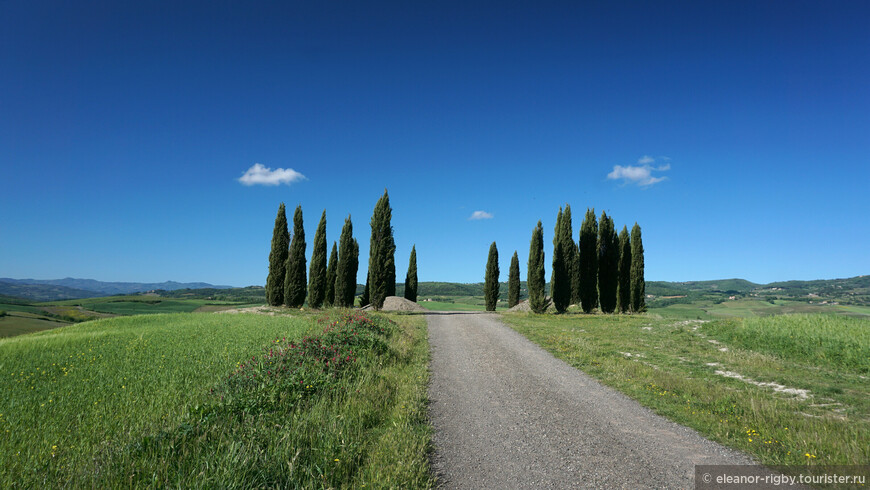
569,248
331,271
589,262
490,284
382,249
560,284
294,282
623,292
536,276
317,272
278,260
411,276
575,275
608,263
638,285
344,277
556,236
514,281
350,293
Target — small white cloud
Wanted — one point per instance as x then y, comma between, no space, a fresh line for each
645,160
640,174
480,215
259,174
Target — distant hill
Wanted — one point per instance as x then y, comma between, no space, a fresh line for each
42,292
71,288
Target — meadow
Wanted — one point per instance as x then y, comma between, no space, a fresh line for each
789,390
194,400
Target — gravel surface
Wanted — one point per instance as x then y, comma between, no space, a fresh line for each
397,303
507,414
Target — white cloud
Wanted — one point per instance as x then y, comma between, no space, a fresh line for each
259,174
480,215
640,174
645,160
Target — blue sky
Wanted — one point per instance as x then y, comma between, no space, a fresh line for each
741,132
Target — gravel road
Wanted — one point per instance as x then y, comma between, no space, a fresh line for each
507,414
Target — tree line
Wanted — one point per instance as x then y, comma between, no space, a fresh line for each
332,281
602,269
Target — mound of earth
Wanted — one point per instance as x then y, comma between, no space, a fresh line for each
395,303
524,306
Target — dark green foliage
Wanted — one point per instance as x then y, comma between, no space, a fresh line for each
588,259
364,298
623,291
608,264
623,295
317,272
345,276
560,283
294,282
382,249
354,267
536,275
331,271
575,276
411,276
514,281
391,274
278,260
569,248
638,286
556,238
490,283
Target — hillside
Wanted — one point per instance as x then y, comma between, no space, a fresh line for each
72,288
43,292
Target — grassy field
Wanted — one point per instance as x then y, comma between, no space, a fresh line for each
195,400
789,390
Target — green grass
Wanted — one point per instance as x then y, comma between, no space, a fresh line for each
19,323
128,401
671,366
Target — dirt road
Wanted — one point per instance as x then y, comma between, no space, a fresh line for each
507,414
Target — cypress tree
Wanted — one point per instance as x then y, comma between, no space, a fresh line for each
490,284
382,249
569,248
331,271
411,276
350,293
536,276
317,271
588,259
638,285
514,281
560,284
623,292
608,264
344,277
278,260
575,275
294,282
556,237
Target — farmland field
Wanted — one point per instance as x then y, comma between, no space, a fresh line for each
107,403
788,389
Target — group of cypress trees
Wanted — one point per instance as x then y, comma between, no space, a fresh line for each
331,282
602,270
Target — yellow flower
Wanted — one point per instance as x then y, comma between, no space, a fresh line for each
337,460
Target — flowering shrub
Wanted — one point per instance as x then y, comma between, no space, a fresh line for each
289,371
